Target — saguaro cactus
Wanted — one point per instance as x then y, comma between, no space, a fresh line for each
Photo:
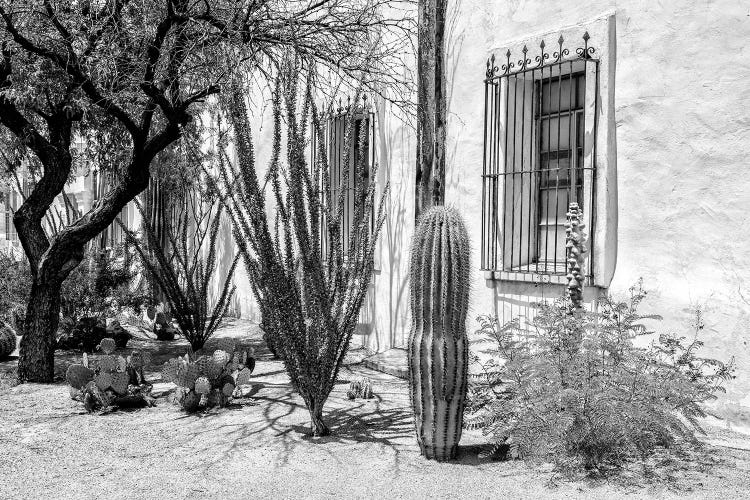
438,346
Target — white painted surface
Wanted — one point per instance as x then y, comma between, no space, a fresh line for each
682,147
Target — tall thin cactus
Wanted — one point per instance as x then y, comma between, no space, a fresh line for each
438,346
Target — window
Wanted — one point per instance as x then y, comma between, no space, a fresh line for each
356,167
539,156
10,202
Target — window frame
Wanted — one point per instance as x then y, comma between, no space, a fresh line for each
334,125
502,94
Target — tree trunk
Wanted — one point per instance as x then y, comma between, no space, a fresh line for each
318,427
37,351
431,106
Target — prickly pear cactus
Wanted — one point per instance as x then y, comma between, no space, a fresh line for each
107,346
206,381
438,354
78,376
105,381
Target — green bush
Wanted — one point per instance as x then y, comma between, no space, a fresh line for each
596,401
15,280
97,288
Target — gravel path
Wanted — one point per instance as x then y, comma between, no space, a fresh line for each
258,448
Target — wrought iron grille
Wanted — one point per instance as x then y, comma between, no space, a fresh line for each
357,171
9,204
539,151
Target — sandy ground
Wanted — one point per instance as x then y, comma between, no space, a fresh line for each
258,448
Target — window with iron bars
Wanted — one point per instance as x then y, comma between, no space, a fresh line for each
113,236
9,204
359,163
539,141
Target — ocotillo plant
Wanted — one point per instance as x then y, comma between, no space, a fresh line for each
438,346
184,271
310,301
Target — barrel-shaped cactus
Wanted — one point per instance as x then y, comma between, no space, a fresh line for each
439,276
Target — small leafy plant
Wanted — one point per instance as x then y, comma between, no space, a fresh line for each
596,402
209,380
103,382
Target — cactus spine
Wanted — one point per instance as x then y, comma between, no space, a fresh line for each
438,346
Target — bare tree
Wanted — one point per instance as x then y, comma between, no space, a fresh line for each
131,74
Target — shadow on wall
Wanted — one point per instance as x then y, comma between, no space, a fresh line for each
391,280
511,300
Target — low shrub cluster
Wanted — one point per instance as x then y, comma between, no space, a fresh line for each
574,388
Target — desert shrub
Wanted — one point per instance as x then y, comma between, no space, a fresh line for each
97,288
15,281
105,381
209,380
185,268
598,400
309,298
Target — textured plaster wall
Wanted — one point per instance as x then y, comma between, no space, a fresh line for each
683,142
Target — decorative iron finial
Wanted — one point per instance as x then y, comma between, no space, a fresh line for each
524,61
543,56
491,67
508,64
560,53
585,52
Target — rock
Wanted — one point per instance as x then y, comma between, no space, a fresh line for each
85,335
163,328
118,333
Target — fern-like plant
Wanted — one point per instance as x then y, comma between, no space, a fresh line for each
187,267
604,404
310,300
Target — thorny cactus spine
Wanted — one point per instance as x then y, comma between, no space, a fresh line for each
438,345
575,240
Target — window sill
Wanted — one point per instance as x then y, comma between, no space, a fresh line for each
525,277
535,278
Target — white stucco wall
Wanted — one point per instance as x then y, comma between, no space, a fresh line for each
683,140
682,148
681,94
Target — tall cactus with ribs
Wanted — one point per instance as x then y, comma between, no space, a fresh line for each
438,345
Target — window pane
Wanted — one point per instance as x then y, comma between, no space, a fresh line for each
551,249
554,92
555,171
553,206
552,138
